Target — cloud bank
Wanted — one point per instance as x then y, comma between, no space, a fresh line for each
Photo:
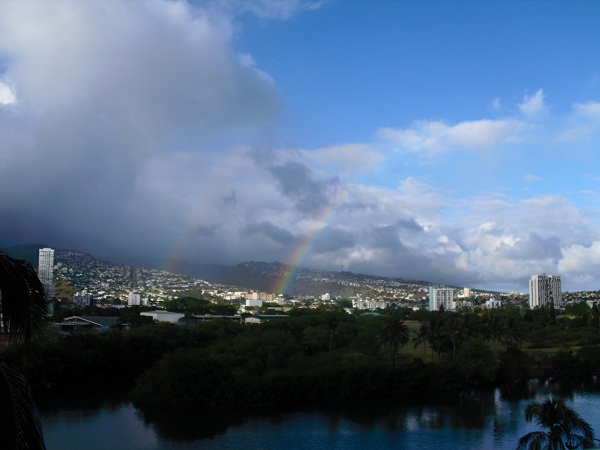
134,130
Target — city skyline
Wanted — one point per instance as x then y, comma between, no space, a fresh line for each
448,141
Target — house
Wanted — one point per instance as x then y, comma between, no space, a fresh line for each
86,323
260,318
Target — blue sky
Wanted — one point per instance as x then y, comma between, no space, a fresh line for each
455,142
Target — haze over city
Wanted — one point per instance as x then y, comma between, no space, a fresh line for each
455,142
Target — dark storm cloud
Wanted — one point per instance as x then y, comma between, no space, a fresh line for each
273,232
99,92
410,225
333,239
535,247
297,183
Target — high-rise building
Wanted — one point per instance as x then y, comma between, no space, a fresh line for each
439,296
134,298
545,290
46,269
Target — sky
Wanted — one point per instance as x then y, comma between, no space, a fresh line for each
454,142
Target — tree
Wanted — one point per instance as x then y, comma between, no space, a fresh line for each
332,321
24,314
437,335
421,336
563,427
454,331
496,328
395,333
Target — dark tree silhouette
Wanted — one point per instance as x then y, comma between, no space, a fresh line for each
563,427
421,336
395,333
24,314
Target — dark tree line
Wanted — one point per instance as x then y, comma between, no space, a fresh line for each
313,355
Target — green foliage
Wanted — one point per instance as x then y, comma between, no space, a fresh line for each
590,360
201,306
514,365
133,317
186,305
476,363
367,339
186,378
394,334
318,354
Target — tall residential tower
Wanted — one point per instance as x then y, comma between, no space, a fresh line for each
544,290
46,269
439,296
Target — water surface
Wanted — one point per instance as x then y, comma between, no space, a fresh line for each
472,419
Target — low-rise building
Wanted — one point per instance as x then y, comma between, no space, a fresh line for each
163,316
370,305
86,323
261,318
492,303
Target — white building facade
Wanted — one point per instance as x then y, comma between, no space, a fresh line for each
46,269
545,290
441,296
134,298
370,305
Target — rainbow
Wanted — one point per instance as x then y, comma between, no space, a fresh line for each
303,249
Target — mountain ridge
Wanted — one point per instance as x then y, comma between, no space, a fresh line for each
255,275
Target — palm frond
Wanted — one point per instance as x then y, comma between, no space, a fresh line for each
20,426
533,441
24,305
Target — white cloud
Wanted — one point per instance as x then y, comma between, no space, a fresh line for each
345,158
584,122
533,105
268,9
7,96
590,109
531,178
578,258
133,129
105,88
431,137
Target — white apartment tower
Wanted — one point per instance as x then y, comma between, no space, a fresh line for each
46,269
439,296
544,290
134,298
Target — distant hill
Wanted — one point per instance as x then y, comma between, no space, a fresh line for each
267,277
254,275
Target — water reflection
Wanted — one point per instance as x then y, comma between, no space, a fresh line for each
475,418
188,425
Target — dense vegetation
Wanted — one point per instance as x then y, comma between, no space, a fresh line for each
325,355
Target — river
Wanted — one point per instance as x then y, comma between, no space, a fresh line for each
471,419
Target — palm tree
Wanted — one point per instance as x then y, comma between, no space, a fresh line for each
421,336
332,321
396,334
24,312
564,428
495,328
437,335
454,331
